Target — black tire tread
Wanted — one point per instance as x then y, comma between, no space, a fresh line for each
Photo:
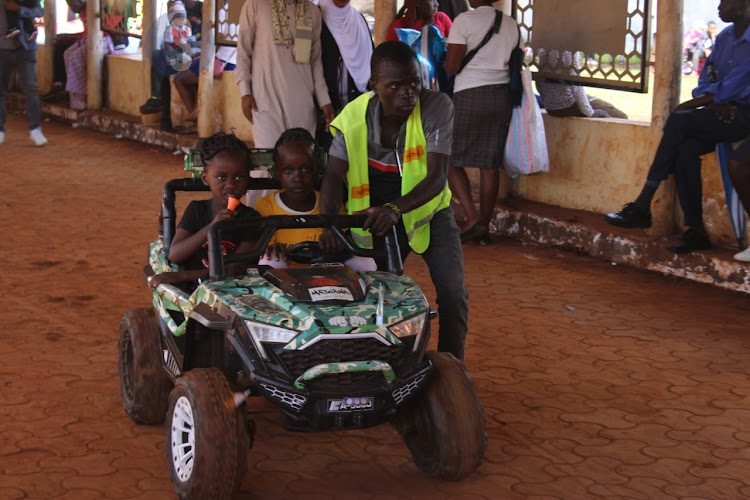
454,450
146,402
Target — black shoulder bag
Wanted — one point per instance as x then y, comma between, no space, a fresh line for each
516,65
495,29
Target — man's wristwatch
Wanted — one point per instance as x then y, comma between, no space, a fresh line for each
394,208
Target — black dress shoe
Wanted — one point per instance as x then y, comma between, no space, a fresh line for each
476,231
629,216
690,241
151,106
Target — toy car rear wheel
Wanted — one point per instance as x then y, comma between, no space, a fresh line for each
443,427
207,441
144,385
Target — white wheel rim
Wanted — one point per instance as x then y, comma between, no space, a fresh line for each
183,439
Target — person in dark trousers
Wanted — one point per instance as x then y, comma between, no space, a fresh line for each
391,148
718,112
19,54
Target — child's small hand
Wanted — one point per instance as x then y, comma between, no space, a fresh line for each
156,280
329,243
223,214
276,252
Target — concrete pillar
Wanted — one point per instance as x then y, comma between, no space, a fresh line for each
385,13
95,60
668,62
206,125
44,73
667,77
149,44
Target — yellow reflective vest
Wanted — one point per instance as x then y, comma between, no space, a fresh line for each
353,124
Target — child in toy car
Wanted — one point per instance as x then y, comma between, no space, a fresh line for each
227,173
295,166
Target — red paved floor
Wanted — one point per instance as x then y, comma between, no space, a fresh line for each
598,381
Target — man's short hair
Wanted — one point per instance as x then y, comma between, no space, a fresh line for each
392,51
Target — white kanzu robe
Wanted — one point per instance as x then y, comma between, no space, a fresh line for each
283,89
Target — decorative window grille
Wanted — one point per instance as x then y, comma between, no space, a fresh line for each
227,21
598,43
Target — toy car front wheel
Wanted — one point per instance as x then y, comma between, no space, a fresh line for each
144,386
207,442
443,427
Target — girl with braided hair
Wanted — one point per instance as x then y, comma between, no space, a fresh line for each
227,173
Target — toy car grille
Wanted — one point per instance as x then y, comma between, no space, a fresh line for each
337,351
335,381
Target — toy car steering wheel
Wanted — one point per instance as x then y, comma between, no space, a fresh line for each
309,252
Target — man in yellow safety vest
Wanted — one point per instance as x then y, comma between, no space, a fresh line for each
391,146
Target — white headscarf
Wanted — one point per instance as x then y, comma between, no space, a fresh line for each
352,36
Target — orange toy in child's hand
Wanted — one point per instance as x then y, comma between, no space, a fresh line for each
232,203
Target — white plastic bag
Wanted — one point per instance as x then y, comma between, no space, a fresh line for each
526,146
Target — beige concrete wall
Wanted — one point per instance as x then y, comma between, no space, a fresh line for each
227,112
126,90
126,94
594,163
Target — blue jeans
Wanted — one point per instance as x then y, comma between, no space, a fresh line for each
688,135
445,260
23,61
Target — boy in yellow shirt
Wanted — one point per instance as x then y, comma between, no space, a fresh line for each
295,165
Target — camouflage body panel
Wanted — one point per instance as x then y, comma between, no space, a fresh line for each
157,258
353,367
253,298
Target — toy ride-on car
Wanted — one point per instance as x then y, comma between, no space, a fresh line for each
330,347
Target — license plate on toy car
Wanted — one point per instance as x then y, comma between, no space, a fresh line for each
350,404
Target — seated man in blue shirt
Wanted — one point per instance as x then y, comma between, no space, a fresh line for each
718,112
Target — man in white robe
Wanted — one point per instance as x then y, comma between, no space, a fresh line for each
279,69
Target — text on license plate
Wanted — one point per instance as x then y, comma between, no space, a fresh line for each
350,404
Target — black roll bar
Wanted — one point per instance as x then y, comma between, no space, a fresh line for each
268,225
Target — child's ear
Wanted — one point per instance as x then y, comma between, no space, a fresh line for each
204,177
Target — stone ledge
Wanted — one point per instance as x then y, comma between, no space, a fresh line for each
587,233
108,122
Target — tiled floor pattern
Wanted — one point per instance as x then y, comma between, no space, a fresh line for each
597,381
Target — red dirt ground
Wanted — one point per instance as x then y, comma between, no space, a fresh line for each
597,381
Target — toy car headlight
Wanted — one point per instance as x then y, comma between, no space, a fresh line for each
267,333
409,327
